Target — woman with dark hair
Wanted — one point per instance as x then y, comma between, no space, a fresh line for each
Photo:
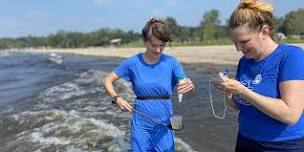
154,76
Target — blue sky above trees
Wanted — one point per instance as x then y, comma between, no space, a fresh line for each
43,17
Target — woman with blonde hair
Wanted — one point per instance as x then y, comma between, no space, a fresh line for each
269,86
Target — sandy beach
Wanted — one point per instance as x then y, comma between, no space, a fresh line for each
225,54
217,54
194,54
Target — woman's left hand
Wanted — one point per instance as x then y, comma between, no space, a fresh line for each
185,86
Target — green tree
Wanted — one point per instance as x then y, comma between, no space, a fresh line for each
294,23
209,25
175,29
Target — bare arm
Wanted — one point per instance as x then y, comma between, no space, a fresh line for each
108,85
287,109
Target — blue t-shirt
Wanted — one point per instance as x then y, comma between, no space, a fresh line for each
157,79
263,77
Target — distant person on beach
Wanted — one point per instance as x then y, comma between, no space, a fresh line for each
269,86
154,76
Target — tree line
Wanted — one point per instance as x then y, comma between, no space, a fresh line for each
209,31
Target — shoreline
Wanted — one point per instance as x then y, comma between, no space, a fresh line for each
214,54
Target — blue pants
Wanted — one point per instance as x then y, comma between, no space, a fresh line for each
148,135
244,144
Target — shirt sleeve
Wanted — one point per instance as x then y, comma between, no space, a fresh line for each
123,70
178,71
292,66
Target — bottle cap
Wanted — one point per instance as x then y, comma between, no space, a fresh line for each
226,71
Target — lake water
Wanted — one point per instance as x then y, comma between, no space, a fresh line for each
56,102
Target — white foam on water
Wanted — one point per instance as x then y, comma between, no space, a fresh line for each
90,108
62,92
91,76
75,88
4,53
39,137
180,145
84,133
55,58
73,149
112,131
8,109
127,93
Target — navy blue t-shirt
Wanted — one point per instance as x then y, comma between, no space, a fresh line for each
263,77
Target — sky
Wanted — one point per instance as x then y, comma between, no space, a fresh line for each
19,18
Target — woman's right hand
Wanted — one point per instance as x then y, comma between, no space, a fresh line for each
123,104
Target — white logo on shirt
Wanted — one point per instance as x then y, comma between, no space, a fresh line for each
258,78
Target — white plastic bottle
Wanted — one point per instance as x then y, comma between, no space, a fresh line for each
180,95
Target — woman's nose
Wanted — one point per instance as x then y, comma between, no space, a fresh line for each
238,47
158,49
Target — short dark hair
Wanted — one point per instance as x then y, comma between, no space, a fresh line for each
156,28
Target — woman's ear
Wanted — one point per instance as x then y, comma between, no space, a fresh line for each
265,31
146,43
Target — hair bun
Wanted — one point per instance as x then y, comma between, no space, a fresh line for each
256,5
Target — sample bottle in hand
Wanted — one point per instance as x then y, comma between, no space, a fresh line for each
180,95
